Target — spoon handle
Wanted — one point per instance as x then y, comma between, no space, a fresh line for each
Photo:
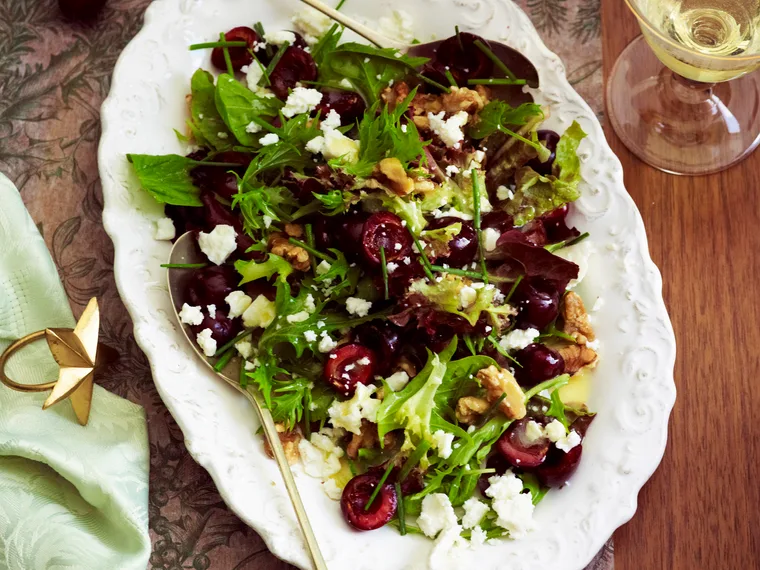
287,475
367,33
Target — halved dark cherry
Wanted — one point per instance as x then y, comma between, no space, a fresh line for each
239,56
211,285
215,213
495,461
384,229
349,365
349,105
549,139
498,220
260,287
223,329
464,245
519,452
186,218
355,497
538,362
555,224
302,187
383,339
220,179
294,66
463,58
538,303
581,425
559,466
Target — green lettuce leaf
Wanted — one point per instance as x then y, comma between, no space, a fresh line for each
167,178
497,115
239,106
206,118
438,239
252,270
567,166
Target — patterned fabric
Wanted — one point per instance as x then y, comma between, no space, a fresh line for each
70,496
53,77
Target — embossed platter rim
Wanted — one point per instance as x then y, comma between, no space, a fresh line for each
633,389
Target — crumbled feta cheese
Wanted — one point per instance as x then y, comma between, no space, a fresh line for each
252,128
164,229
238,303
338,145
451,170
533,432
569,442
514,508
580,254
404,128
219,244
207,344
397,246
518,339
467,296
504,193
398,26
323,267
331,121
260,313
365,361
326,344
397,380
280,37
555,431
316,145
442,441
331,489
251,365
449,130
298,317
436,515
320,456
498,297
349,414
245,348
267,220
346,83
358,307
311,24
191,315
253,76
474,511
490,237
308,303
478,537
451,212
222,135
271,138
211,311
392,266
301,100
310,336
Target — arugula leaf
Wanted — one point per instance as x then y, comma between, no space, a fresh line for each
381,136
206,118
326,45
478,444
369,69
335,201
251,270
264,377
167,178
531,482
498,114
239,106
459,374
557,409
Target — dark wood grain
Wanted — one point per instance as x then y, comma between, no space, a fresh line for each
701,509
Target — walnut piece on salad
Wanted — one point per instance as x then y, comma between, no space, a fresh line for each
421,344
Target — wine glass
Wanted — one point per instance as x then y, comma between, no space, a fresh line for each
687,103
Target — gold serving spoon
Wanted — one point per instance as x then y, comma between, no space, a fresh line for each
185,251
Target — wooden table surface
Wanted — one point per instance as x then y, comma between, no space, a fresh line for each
701,509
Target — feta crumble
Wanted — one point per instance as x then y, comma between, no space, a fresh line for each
533,432
298,317
436,515
513,507
442,441
474,511
358,307
569,442
490,237
311,24
323,267
310,336
555,431
451,170
320,456
271,138
467,296
164,229
398,26
397,381
219,244
504,193
301,100
392,266
207,344
245,348
238,303
449,130
280,37
191,315
211,311
518,339
326,344
260,313
580,254
252,128
349,414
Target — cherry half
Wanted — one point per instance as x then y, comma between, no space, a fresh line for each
462,247
349,105
538,362
211,285
349,365
294,66
223,329
239,56
355,497
465,59
538,302
514,448
384,229
559,466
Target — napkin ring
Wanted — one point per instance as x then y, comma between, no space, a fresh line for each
78,354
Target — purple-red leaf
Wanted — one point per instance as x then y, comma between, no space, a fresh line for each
521,256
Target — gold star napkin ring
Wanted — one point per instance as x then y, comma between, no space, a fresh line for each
78,354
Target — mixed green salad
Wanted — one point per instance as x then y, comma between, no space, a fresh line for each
389,259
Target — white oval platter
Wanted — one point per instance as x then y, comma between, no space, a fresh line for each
632,390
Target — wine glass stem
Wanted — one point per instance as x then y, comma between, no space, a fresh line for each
689,91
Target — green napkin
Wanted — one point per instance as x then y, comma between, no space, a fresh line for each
71,497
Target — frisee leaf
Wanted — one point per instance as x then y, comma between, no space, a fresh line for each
252,270
167,178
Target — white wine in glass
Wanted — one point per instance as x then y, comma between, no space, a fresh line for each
690,105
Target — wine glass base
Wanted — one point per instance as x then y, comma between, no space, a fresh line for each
677,125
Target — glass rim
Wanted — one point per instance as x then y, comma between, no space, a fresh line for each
651,28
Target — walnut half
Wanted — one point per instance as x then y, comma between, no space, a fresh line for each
289,440
576,356
498,381
470,408
575,319
296,255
